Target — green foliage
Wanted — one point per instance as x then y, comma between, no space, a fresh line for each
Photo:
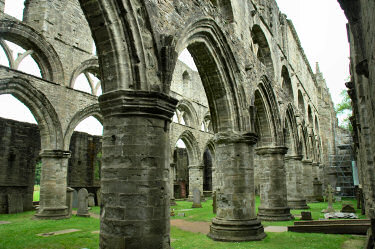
345,108
36,195
38,171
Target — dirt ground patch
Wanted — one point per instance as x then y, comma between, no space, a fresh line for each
195,227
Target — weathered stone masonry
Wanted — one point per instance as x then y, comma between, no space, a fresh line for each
255,76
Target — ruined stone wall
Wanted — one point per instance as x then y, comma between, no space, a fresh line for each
84,163
64,26
19,154
361,32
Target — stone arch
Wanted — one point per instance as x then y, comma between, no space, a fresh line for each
306,149
217,68
118,34
190,115
43,111
316,125
286,83
191,146
309,116
301,103
91,65
208,162
262,49
268,116
92,110
44,54
291,132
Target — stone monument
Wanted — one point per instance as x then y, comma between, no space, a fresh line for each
196,198
330,200
83,210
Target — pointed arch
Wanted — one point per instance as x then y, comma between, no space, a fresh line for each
91,65
192,147
263,50
120,46
190,114
291,129
286,83
92,110
301,104
43,111
218,71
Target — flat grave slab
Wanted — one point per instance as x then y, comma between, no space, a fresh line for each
58,232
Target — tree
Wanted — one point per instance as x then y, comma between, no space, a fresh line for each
344,109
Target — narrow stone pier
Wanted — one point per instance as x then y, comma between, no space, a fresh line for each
195,179
236,216
294,186
135,190
273,191
53,185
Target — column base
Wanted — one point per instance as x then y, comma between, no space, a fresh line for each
236,230
275,214
52,213
297,204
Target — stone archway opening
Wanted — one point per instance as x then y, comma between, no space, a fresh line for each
84,165
20,161
181,173
207,172
15,8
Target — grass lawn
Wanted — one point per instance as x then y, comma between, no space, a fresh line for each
205,213
21,232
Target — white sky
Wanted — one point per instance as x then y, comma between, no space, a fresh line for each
321,27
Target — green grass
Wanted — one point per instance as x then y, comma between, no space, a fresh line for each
205,213
21,232
36,193
187,240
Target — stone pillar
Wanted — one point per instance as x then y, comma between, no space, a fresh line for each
135,189
171,182
307,180
293,183
273,191
236,213
53,184
195,179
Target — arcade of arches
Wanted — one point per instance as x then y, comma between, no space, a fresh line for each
254,119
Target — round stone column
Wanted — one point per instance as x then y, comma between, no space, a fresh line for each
293,183
135,188
236,215
308,180
273,191
53,184
195,179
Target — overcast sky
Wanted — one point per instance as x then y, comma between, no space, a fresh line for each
320,25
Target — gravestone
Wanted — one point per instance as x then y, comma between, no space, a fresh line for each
318,190
91,200
196,198
347,208
15,203
83,210
214,202
75,199
330,200
69,200
306,216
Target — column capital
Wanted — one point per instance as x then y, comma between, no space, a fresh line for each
315,164
271,150
137,103
55,153
293,157
235,137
